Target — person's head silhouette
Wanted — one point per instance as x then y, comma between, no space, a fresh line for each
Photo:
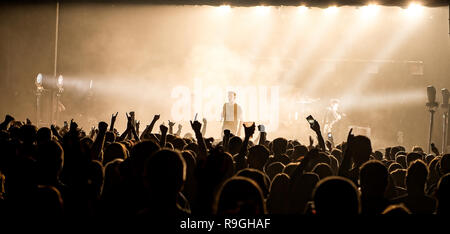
363,149
110,137
299,151
165,173
398,177
239,196
234,146
28,134
258,176
411,157
114,151
50,160
396,210
336,195
443,195
444,164
47,202
279,146
416,177
323,170
43,135
139,154
373,177
273,169
257,157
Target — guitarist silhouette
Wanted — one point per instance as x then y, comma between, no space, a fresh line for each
332,117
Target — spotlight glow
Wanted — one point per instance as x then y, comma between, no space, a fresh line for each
414,9
395,41
60,81
262,10
39,79
302,9
331,10
370,10
224,9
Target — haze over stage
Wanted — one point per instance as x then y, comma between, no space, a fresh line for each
374,58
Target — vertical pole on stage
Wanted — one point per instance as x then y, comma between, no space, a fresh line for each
55,109
445,107
432,105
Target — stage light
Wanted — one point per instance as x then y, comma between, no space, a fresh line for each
331,10
431,93
414,9
224,9
262,10
39,80
60,82
370,10
302,9
90,84
445,97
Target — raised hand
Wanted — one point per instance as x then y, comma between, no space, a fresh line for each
149,128
91,133
163,129
171,124
315,126
9,118
205,123
5,124
249,130
55,132
350,141
311,141
434,149
66,126
73,126
113,117
346,164
138,123
97,146
178,133
196,126
129,121
113,120
350,137
261,128
329,145
162,140
53,128
155,118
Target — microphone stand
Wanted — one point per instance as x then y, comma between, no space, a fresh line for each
445,107
431,108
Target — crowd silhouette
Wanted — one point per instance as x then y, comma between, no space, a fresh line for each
63,171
